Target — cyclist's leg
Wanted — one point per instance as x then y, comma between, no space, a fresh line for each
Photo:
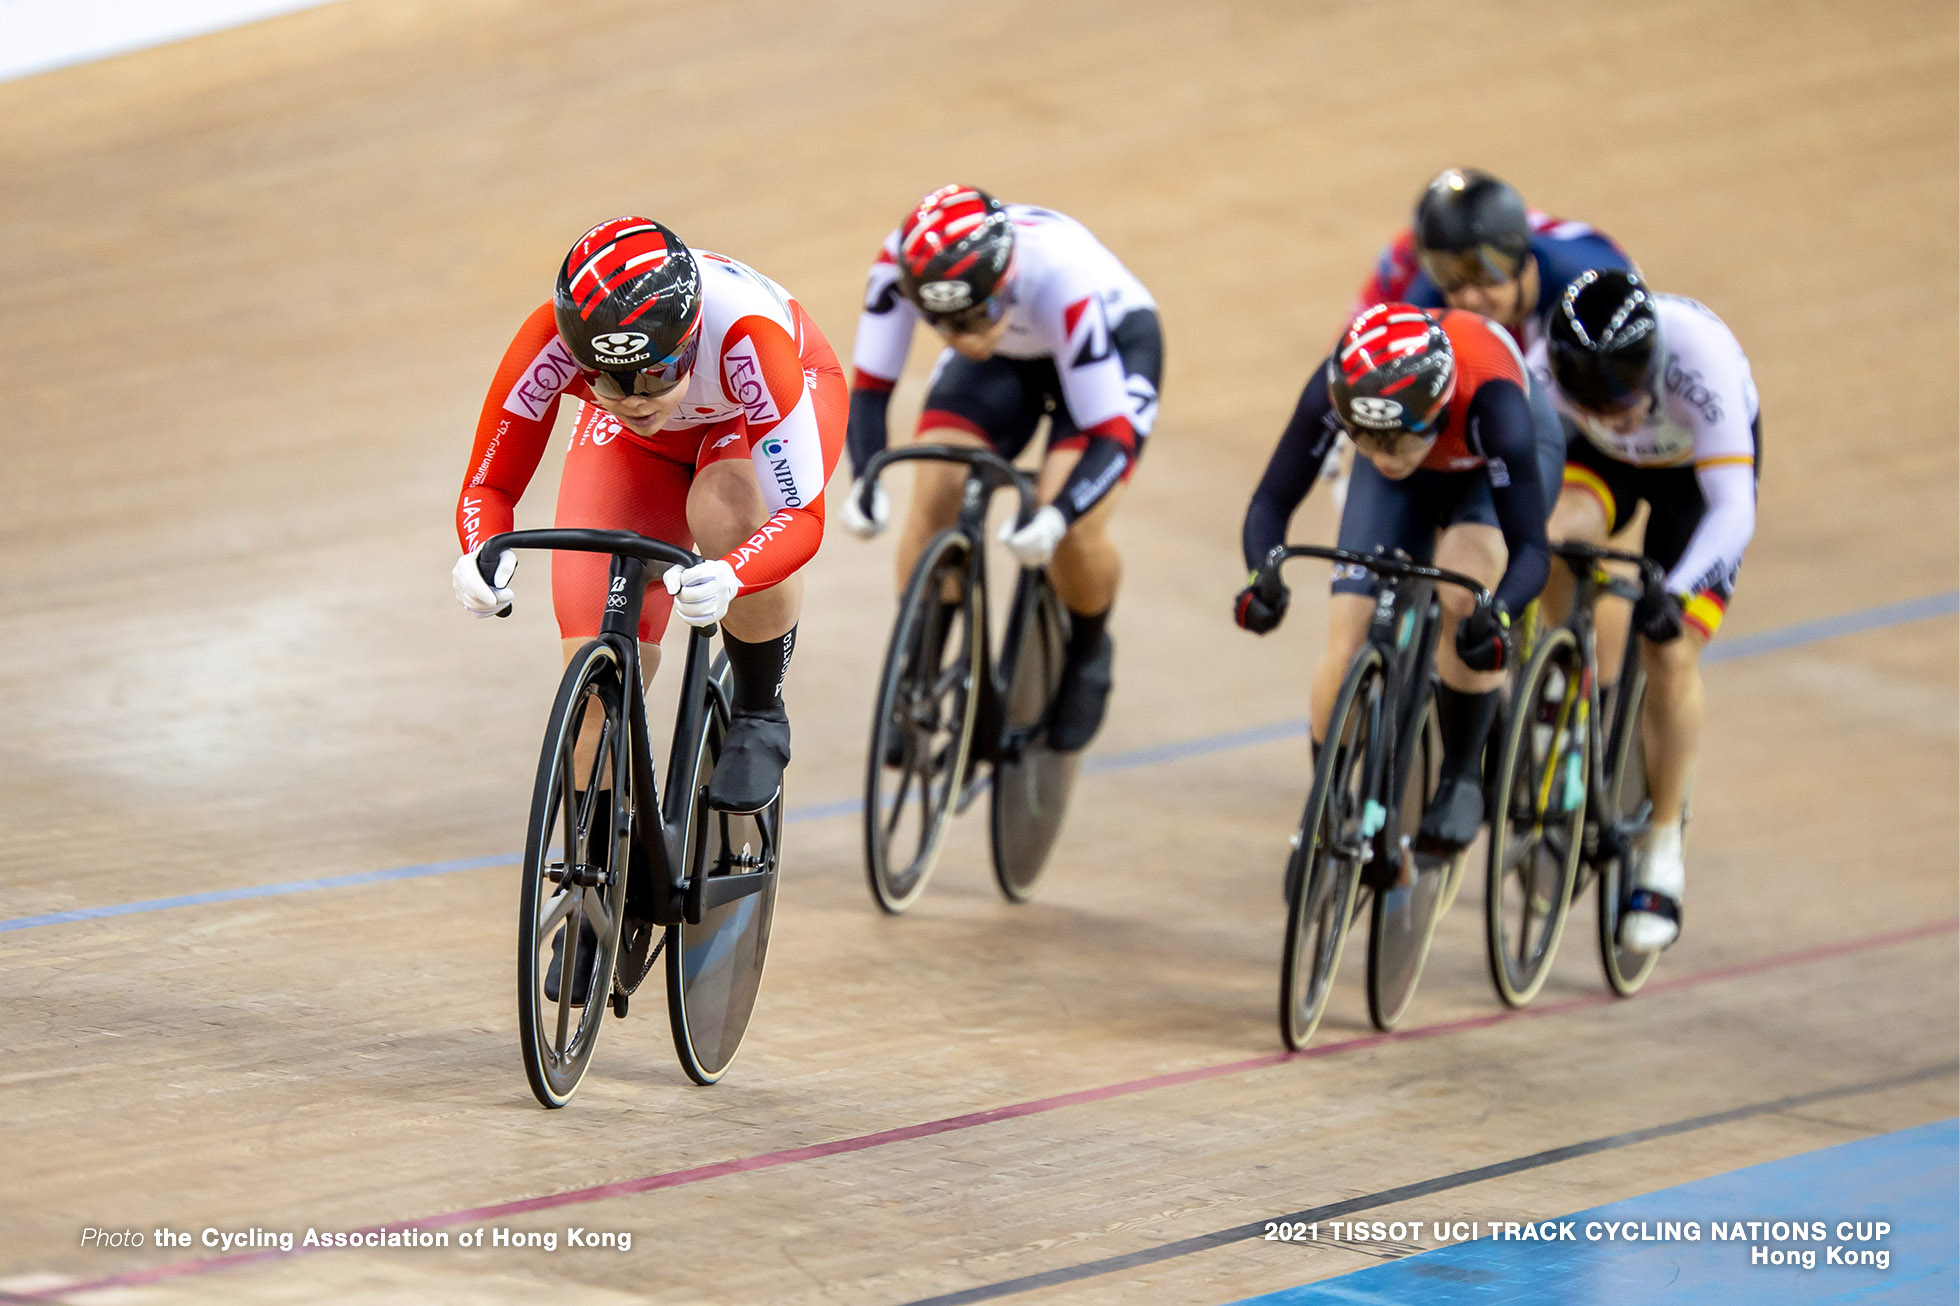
1672,718
725,507
1377,514
973,403
1600,500
1467,701
1087,570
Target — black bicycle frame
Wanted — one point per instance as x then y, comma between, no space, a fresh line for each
1403,628
1590,580
987,472
658,860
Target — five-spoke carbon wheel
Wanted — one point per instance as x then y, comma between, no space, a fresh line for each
922,725
1322,874
574,884
1538,813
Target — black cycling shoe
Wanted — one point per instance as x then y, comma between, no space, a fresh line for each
749,774
1453,817
1082,699
588,949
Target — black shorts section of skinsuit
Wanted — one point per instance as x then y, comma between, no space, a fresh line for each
1007,397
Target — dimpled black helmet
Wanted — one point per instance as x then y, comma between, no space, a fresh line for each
955,252
1471,226
1604,341
628,301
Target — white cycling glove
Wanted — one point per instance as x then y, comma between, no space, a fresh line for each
881,512
1034,544
478,597
703,592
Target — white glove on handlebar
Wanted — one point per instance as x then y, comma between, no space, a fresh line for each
703,592
881,512
1034,544
479,598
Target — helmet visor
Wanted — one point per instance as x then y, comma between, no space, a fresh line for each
977,318
650,381
1480,265
1602,383
1390,444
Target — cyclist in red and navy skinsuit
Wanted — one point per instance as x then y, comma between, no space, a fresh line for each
1437,410
710,410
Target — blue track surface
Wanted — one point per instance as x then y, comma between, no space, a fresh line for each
1909,1180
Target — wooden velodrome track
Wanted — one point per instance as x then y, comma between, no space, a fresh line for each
251,289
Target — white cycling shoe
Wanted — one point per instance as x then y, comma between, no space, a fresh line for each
1653,917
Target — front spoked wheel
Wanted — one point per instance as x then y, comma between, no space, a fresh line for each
1032,781
1412,894
1322,874
715,955
922,727
1537,816
1624,830
570,907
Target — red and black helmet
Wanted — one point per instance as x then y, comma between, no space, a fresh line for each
1392,374
628,303
955,256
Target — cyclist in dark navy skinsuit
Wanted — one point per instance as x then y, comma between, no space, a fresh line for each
1437,411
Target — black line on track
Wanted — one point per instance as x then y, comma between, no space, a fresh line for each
1390,1196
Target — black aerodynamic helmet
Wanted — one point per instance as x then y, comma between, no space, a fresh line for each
1471,228
955,256
628,304
1604,340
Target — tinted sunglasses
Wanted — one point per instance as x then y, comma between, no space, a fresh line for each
1482,265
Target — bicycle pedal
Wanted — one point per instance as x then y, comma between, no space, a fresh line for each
618,1003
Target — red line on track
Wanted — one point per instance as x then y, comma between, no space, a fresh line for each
1014,1111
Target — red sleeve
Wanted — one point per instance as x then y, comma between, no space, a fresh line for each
1395,271
795,399
514,427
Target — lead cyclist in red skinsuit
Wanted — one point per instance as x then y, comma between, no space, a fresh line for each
711,410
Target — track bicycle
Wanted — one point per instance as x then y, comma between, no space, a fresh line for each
1357,832
1570,802
953,717
611,882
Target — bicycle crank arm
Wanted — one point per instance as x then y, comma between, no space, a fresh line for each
720,890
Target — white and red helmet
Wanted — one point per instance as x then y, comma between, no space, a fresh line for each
1393,374
956,256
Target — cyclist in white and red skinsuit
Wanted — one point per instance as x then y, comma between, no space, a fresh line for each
1039,320
711,410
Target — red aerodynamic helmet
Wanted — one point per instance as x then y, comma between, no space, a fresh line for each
955,256
1392,374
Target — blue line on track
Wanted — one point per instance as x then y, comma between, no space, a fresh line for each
1769,641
